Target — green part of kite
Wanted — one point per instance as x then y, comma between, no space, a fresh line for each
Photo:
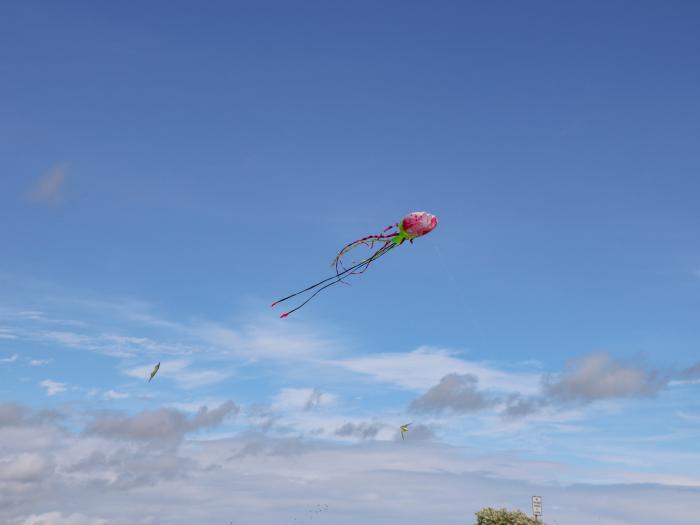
402,236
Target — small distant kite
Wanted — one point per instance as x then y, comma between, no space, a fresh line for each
155,371
404,429
413,225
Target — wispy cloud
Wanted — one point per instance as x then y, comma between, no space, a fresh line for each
58,518
96,333
689,416
53,387
114,345
10,359
421,369
113,394
39,362
6,333
31,315
302,399
182,372
278,342
49,188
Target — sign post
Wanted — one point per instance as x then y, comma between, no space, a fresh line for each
537,507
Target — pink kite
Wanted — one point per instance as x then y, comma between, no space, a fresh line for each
415,224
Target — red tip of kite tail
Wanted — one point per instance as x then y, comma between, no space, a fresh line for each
273,304
284,315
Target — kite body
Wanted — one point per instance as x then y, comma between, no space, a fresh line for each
404,430
418,223
414,225
155,371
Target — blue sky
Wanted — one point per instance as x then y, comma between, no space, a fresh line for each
167,170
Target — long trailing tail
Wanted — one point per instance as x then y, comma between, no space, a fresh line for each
357,268
367,241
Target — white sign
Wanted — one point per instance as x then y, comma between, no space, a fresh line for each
537,505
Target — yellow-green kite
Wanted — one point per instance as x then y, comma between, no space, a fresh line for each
155,371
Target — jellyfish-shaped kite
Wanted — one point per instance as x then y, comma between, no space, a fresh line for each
415,224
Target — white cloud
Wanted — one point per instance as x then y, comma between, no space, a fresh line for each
68,338
25,467
5,333
302,399
57,518
426,366
688,416
271,341
29,315
10,359
284,341
180,371
113,394
113,345
39,362
53,387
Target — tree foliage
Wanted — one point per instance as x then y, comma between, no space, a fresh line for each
489,516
